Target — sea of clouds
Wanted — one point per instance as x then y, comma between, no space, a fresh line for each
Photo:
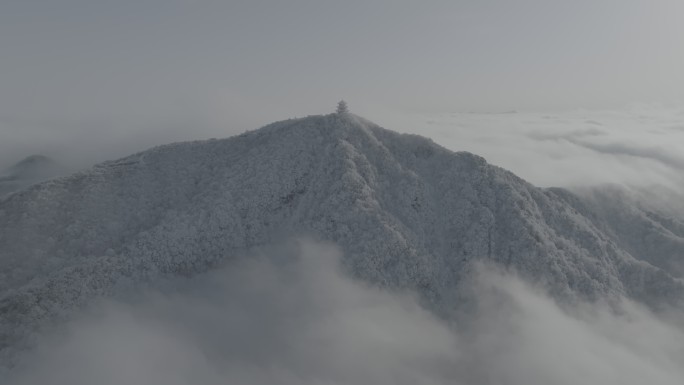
638,145
292,316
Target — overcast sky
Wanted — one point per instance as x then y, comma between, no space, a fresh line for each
117,76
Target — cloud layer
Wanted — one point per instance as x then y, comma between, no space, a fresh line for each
640,145
294,317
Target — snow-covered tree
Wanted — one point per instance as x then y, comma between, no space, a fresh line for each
342,107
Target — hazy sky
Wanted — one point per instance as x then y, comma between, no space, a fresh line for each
107,74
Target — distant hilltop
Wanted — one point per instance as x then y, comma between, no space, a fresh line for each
30,170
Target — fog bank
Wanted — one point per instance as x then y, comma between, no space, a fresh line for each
295,318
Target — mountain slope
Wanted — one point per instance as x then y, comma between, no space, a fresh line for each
649,227
406,212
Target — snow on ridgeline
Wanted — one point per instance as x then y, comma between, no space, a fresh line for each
406,212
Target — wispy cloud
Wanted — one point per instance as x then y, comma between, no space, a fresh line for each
622,149
540,135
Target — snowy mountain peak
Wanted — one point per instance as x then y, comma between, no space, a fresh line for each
406,212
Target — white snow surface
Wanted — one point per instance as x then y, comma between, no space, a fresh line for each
406,213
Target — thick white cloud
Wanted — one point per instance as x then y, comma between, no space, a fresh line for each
295,318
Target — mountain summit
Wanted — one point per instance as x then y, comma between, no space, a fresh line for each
406,212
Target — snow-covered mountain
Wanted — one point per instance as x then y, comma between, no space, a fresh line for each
648,224
406,212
